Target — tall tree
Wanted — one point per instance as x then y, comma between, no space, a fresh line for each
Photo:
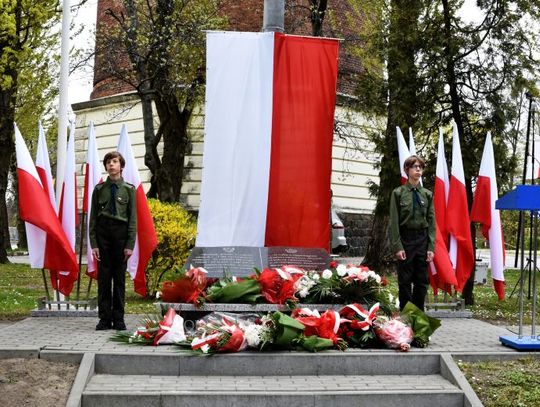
164,42
401,45
472,72
26,41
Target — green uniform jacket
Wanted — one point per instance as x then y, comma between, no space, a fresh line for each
126,209
402,215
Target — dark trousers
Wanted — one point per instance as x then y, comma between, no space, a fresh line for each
111,239
413,279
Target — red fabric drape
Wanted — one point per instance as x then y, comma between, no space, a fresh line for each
304,96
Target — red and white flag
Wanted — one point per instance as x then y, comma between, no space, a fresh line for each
35,236
146,240
267,160
403,154
35,208
457,217
63,280
483,211
92,177
442,272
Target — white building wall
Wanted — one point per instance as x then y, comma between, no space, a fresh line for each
352,154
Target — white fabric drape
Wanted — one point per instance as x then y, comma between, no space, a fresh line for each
237,141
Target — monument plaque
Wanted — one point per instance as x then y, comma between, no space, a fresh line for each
307,258
233,260
240,260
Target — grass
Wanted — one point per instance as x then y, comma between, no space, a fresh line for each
21,287
514,383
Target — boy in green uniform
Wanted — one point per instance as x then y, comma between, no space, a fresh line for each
113,228
412,234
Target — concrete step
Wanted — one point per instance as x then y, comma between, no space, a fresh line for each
270,363
331,378
269,390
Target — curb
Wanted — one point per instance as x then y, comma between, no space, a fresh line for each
25,353
451,372
84,374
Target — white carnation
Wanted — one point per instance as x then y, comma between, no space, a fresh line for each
253,335
341,270
327,274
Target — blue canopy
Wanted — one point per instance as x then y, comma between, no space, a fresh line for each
522,198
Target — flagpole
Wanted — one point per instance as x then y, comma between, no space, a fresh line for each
46,288
83,221
524,176
63,99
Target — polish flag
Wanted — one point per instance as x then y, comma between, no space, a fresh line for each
484,212
63,280
35,208
403,154
267,160
457,217
92,177
442,272
146,240
35,236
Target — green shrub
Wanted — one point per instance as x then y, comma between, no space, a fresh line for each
176,230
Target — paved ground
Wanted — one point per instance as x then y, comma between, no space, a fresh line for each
456,335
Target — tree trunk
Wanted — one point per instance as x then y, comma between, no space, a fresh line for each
174,133
22,243
318,11
402,96
7,147
450,53
151,156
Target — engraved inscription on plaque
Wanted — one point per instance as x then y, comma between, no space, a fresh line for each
237,261
305,258
240,260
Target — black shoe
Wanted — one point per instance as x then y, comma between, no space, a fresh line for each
119,325
103,325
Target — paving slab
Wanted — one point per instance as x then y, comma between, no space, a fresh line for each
77,334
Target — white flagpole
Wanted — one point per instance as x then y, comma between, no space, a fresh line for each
64,99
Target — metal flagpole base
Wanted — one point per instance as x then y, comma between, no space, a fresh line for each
523,343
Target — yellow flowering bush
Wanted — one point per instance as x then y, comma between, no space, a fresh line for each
176,229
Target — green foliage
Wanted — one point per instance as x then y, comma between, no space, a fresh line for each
176,231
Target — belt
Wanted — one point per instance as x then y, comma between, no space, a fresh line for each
413,232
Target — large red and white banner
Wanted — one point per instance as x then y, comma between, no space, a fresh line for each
267,161
35,208
483,211
443,275
63,280
457,218
36,237
146,240
92,177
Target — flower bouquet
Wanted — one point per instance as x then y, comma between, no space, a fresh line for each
394,333
349,283
219,333
325,325
422,324
155,331
189,287
357,328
